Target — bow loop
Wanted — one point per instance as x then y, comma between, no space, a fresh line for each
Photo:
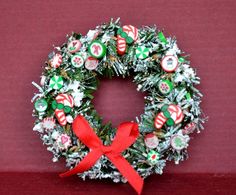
126,135
85,133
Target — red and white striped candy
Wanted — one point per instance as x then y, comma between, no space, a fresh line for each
49,123
61,117
131,31
189,128
121,42
121,45
175,113
180,115
66,100
160,120
56,61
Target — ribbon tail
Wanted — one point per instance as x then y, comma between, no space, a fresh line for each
128,172
85,164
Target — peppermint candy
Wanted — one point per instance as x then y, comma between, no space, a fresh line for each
169,63
97,49
92,34
40,105
43,80
142,52
153,157
189,128
151,140
77,60
63,141
178,142
74,46
49,123
56,82
165,86
56,61
91,63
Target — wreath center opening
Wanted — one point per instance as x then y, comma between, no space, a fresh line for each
117,100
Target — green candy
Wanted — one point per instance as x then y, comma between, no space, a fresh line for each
165,86
167,114
170,122
119,31
41,105
97,49
142,52
60,106
153,157
124,35
178,142
54,104
77,60
181,59
129,40
164,108
162,38
56,82
188,96
67,109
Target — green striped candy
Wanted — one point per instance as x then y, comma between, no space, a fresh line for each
56,82
142,52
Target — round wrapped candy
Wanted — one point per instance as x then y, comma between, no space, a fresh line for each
165,86
92,34
42,80
189,128
142,52
49,123
151,140
97,49
178,142
56,61
41,105
77,60
56,82
63,141
153,157
169,63
74,46
91,63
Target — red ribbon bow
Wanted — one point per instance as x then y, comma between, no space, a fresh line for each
126,135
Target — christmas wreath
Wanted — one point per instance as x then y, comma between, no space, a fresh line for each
70,126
